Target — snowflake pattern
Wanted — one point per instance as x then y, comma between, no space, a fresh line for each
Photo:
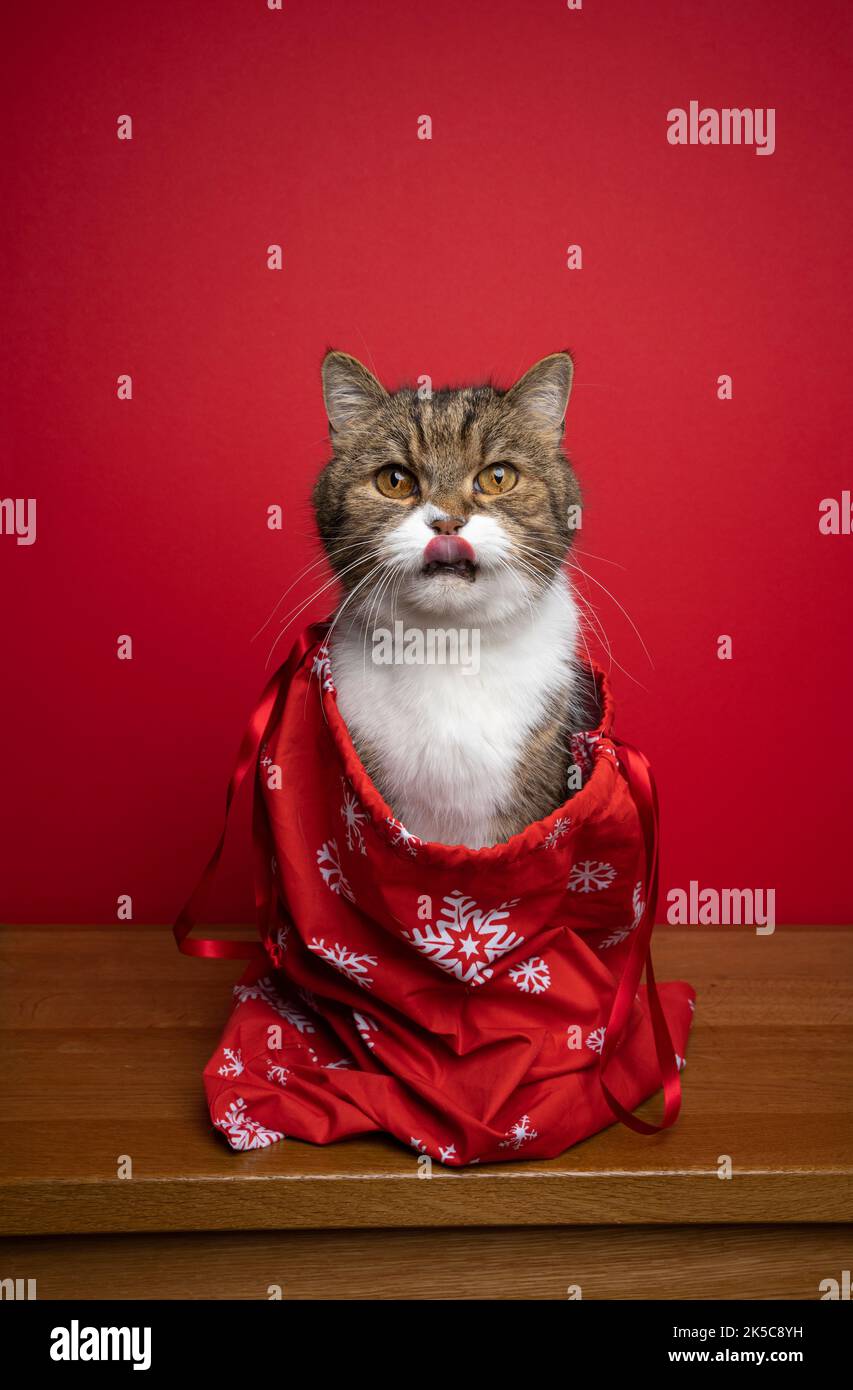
365,1025
329,864
532,976
556,833
585,745
265,991
242,1132
465,940
617,937
353,818
518,1134
277,941
322,668
353,964
680,1062
401,836
233,1062
591,875
581,754
445,1153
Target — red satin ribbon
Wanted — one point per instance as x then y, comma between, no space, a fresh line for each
638,774
247,759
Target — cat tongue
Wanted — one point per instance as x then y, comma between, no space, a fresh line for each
448,550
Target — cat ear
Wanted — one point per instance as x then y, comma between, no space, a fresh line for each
542,394
350,391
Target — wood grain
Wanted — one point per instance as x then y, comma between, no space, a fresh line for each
105,1032
697,1262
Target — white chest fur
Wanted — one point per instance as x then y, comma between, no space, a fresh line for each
449,743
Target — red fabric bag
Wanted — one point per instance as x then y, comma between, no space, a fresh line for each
479,1005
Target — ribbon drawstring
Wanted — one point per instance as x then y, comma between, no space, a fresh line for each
638,774
247,761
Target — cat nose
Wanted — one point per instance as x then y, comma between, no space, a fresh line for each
447,526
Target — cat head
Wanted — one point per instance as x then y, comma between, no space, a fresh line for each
457,503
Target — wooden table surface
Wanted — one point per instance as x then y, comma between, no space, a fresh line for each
105,1032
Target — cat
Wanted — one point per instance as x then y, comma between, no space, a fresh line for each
456,511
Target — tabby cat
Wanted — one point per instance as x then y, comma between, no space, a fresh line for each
455,511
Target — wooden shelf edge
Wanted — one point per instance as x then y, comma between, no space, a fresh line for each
74,1207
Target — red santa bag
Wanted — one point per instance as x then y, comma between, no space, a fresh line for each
479,1005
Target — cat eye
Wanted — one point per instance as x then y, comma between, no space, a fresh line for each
497,478
396,482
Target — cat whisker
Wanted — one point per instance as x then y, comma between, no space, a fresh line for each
621,608
300,608
505,565
340,611
599,627
603,558
596,624
589,618
374,606
374,570
333,580
324,559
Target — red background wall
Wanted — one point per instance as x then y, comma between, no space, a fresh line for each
446,257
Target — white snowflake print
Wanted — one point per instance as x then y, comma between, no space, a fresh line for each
595,1039
532,976
591,875
401,836
233,1062
365,1025
353,818
556,833
242,1131
680,1062
582,745
279,937
276,1072
444,1153
265,991
329,864
617,937
322,668
519,1133
353,964
465,940
340,1065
